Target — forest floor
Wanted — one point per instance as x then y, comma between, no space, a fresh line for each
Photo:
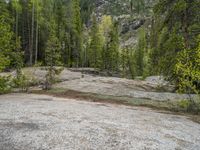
35,122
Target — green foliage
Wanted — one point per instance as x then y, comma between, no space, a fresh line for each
104,45
38,64
111,53
174,50
55,32
87,7
140,52
77,33
167,59
6,45
53,51
10,54
105,26
96,45
52,55
173,43
5,85
139,5
17,56
189,106
30,24
184,104
127,63
187,70
4,61
22,82
50,79
52,72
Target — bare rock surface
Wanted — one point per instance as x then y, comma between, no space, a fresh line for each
39,122
113,86
87,80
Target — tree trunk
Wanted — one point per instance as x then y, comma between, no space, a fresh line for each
32,37
185,28
36,41
16,27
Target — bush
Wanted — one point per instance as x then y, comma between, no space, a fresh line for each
21,81
184,104
190,106
52,72
194,106
5,85
38,64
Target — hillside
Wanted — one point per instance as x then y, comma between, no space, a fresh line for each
130,15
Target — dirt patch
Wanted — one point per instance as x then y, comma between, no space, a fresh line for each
82,96
44,99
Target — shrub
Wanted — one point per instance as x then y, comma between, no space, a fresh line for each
5,85
51,76
38,64
21,81
184,104
190,106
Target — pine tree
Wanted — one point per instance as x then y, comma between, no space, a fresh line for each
140,52
180,16
173,21
113,49
95,49
6,44
16,5
127,63
52,58
187,70
77,33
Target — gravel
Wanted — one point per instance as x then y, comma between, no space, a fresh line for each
39,122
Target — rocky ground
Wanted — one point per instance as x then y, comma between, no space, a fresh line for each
38,122
89,81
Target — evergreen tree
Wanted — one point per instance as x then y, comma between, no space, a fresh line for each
187,70
87,8
181,16
127,62
52,58
95,49
140,52
174,21
6,44
77,34
110,40
113,49
53,51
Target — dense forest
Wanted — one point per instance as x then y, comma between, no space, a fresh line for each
72,33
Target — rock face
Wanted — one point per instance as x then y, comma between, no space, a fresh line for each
129,19
132,25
